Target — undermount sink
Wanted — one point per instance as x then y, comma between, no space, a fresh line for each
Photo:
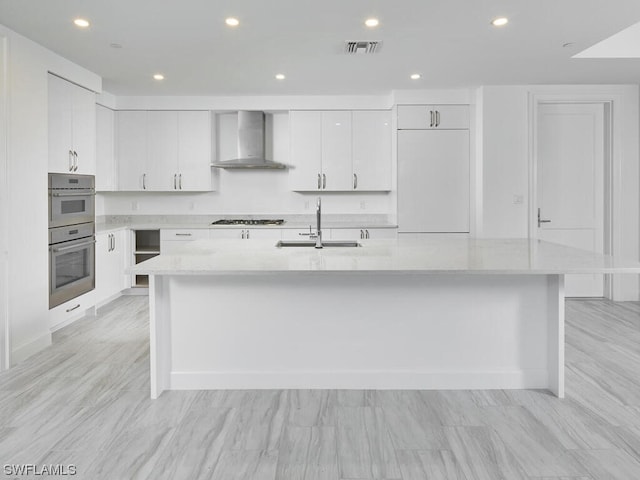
308,243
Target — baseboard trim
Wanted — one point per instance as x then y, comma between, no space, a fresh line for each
24,351
367,380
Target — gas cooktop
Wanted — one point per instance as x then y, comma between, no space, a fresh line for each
244,221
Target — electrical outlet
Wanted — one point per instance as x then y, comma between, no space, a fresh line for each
363,205
134,206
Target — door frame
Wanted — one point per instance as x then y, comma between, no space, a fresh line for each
5,346
611,165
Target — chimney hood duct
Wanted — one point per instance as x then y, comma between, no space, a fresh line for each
250,144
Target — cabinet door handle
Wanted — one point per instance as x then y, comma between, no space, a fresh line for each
243,234
324,181
180,181
144,181
319,182
113,236
183,234
361,234
75,161
366,234
70,161
437,118
175,181
355,181
73,308
431,114
110,243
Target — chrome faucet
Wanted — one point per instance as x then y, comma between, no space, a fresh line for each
318,230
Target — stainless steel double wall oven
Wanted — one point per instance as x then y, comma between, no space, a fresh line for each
71,236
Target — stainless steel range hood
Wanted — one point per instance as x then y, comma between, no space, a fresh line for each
250,144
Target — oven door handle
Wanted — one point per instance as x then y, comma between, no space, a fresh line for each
72,247
74,194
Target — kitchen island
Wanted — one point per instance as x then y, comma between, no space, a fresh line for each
442,313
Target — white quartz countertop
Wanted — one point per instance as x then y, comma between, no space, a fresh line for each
432,255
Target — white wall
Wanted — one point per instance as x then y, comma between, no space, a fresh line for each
4,213
504,160
26,173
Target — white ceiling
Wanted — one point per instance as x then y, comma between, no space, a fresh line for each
450,42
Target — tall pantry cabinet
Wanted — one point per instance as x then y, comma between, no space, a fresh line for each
433,169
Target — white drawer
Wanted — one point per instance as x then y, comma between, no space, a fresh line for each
183,234
70,311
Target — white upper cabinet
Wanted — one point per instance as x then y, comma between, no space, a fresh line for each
164,150
371,150
340,151
131,150
336,151
425,117
306,151
72,128
106,179
194,151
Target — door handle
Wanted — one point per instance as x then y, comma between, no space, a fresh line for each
175,181
366,234
75,161
355,181
243,234
437,118
324,181
70,161
319,182
431,114
144,181
180,181
541,220
361,234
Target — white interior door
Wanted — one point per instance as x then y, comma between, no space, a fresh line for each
570,183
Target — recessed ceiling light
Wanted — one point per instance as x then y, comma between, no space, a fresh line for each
158,76
416,76
232,22
500,21
81,22
280,76
371,22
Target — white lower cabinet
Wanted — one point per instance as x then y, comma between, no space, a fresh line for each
173,241
362,233
111,255
72,310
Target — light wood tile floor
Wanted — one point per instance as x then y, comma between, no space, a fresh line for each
85,401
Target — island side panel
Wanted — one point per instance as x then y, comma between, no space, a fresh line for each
556,334
160,335
346,330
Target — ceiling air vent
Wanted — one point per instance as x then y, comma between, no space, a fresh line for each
362,47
